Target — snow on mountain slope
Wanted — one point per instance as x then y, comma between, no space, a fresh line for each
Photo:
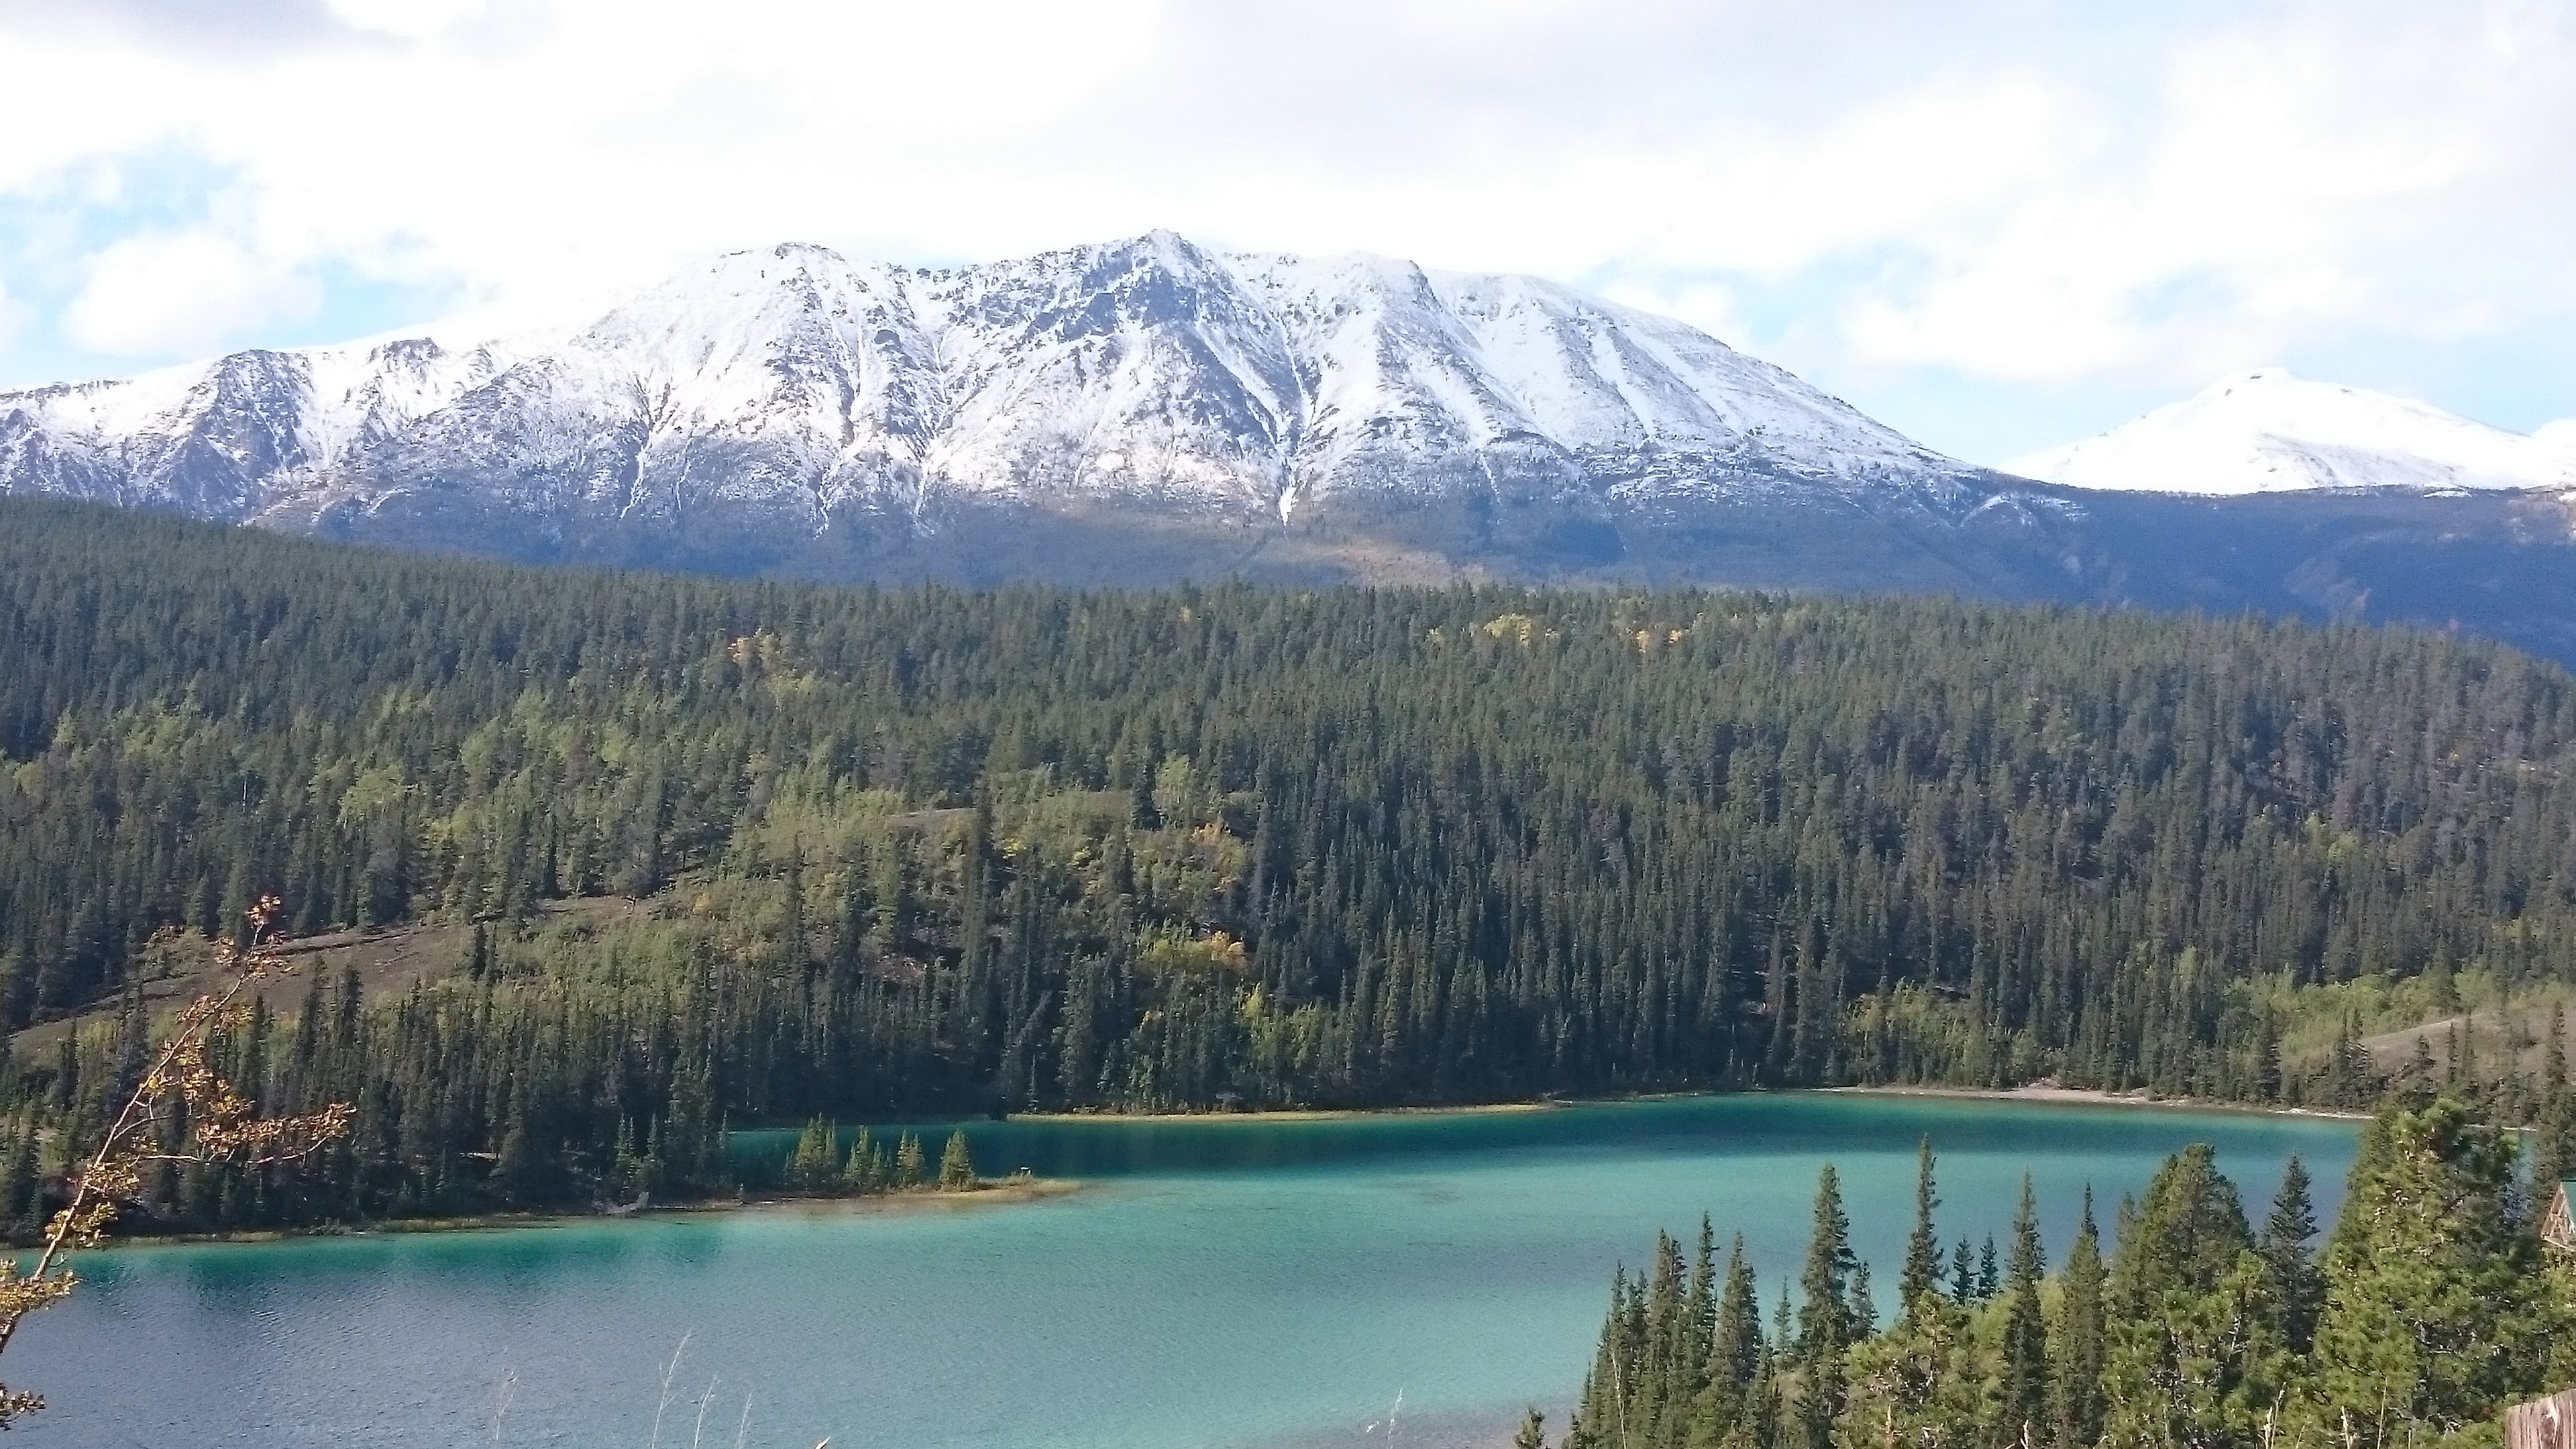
1128,368
209,437
1425,374
2267,431
770,380
789,384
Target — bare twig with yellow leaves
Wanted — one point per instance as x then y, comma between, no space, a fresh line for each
182,1110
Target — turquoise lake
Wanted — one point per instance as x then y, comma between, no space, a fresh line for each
1267,1285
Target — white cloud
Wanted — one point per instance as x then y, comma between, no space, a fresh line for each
2331,172
2062,194
406,19
192,292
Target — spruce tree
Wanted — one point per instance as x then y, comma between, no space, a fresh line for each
2437,1310
2024,1349
2194,1353
518,1169
1825,1326
1735,1356
1922,1382
1864,1303
956,1167
2553,1146
864,1171
1693,1339
814,1162
2553,1061
2080,1339
1923,1249
2287,1232
18,1180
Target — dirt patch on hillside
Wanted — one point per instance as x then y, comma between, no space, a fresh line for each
389,961
2519,1033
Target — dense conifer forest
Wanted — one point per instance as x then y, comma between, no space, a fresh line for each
2429,1308
896,854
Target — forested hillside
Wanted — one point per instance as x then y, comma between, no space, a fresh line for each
933,850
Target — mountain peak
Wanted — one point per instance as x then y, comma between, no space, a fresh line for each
791,385
2269,430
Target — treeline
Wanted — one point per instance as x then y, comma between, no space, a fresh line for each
2431,1308
898,854
468,1099
817,1167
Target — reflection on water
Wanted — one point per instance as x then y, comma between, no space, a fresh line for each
1220,1283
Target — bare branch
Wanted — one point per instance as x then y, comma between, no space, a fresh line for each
179,1085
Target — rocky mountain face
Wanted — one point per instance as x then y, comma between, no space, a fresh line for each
786,389
1145,410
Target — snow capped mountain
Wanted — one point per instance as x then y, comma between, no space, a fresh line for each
1144,411
782,389
2267,431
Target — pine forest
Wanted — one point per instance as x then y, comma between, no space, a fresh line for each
698,854
2421,1315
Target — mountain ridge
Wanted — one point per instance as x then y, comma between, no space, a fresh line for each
1145,411
794,383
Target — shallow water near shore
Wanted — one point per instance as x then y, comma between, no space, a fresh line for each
1269,1285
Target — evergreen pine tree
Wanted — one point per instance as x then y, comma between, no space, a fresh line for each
18,1180
1825,1326
814,1163
863,1172
956,1168
2024,1350
2553,1146
1735,1356
2193,1354
1863,1314
1923,1249
2436,1310
517,1169
2286,1235
2080,1342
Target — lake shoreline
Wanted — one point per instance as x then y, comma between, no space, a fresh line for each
2095,1097
1337,1114
1002,1193
1006,1192
2041,1093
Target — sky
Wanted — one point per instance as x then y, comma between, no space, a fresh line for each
1994,224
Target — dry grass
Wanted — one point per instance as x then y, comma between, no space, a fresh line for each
2519,1033
387,962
